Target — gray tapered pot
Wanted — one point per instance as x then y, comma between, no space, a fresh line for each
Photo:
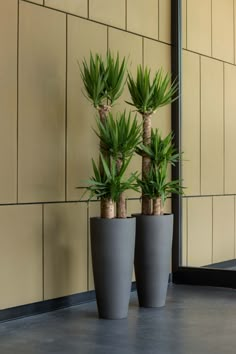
152,258
112,245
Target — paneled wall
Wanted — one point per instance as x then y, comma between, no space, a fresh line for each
209,131
46,136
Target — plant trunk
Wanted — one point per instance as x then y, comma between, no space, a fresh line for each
121,204
146,162
157,206
103,111
107,209
106,205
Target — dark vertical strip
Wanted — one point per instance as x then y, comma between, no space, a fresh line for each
158,25
88,244
43,290
17,103
88,8
66,123
212,236
176,56
186,215
234,227
200,99
224,137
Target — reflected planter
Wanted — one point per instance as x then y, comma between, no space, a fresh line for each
112,246
153,248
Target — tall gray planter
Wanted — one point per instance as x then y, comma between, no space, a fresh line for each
153,247
112,245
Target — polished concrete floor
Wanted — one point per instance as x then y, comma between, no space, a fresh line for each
196,320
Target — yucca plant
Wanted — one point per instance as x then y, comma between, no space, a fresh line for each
147,96
119,139
108,187
155,185
104,82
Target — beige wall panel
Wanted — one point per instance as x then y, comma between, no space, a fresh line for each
230,128
42,64
134,206
82,144
40,2
184,230
20,255
130,46
77,7
223,30
165,21
199,231
184,23
223,229
8,105
158,55
143,18
111,12
94,211
191,123
211,126
199,26
65,249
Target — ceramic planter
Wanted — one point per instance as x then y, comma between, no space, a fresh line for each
112,245
152,258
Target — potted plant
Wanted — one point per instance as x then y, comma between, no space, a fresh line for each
154,229
112,237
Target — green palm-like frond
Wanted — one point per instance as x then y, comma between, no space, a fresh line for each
115,77
103,79
119,137
147,95
156,184
94,76
160,149
111,183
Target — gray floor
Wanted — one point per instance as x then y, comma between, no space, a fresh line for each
196,320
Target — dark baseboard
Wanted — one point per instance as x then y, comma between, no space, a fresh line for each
205,276
52,305
226,264
49,305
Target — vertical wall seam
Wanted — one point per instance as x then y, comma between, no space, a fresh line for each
186,232
66,121
211,29
88,241
107,38
234,28
212,237
186,23
17,103
158,19
223,128
200,122
43,268
126,14
88,4
234,226
143,52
